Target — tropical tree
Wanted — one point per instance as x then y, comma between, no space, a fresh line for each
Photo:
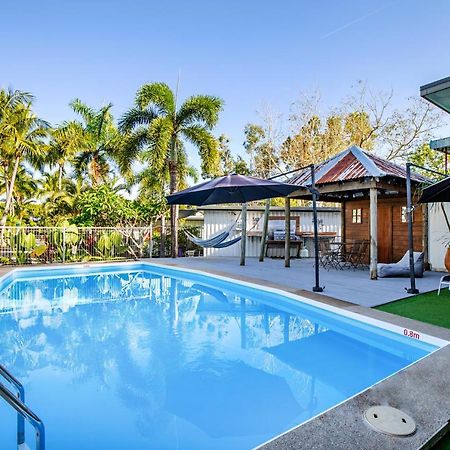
65,142
157,130
98,140
24,191
22,136
424,156
229,163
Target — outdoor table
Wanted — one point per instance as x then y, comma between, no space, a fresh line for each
298,243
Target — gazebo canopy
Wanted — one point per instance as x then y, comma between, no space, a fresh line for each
351,173
438,93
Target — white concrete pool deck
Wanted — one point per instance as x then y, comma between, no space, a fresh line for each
352,286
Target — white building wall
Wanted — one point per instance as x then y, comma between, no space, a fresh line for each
438,234
218,219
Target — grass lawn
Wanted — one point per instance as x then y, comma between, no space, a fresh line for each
431,308
428,307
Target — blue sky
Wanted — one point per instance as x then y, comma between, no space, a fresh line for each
247,52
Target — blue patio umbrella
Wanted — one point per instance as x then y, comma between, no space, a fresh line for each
232,188
236,188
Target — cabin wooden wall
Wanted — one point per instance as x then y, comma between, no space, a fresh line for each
392,232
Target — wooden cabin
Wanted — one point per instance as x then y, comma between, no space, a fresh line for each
372,194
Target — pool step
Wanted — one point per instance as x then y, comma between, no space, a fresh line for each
17,402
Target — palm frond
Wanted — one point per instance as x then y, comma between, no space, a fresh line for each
127,150
136,117
202,109
207,146
158,95
159,136
86,112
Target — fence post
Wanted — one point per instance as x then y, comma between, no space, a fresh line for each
162,240
150,241
64,245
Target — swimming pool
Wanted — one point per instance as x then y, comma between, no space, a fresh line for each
137,355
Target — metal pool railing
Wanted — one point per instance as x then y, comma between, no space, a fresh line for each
27,245
23,412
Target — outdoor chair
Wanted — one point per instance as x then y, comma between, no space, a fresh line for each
356,255
444,281
328,257
324,253
401,268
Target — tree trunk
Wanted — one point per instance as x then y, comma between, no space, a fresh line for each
10,189
60,175
162,242
264,231
173,169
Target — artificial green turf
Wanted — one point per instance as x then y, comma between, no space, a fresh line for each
428,307
431,308
443,444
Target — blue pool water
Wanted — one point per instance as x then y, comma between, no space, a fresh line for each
145,357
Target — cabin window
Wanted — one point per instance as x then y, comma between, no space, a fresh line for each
357,215
405,215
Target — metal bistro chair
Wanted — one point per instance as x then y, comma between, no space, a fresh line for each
328,257
444,281
356,255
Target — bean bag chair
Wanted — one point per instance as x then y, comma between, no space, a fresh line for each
401,268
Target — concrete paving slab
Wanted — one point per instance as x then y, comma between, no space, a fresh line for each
352,286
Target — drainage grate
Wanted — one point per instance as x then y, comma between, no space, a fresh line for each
393,421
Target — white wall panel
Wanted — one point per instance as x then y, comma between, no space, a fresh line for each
218,219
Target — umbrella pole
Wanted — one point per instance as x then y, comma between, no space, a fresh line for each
244,232
317,287
412,276
287,232
264,231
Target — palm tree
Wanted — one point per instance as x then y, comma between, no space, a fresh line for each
99,141
22,136
156,131
65,142
56,194
24,190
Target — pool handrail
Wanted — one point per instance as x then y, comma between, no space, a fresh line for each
8,376
26,413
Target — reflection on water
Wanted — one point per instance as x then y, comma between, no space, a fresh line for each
127,359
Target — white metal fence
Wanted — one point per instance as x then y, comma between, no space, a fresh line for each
27,245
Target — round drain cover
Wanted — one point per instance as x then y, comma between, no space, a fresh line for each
386,419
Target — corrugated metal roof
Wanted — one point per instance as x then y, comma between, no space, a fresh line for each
351,165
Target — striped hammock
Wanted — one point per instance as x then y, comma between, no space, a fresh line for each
217,240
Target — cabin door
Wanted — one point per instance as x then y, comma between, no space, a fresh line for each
384,233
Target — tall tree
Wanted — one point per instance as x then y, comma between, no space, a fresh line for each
65,141
22,136
101,142
156,131
424,156
24,191
228,162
